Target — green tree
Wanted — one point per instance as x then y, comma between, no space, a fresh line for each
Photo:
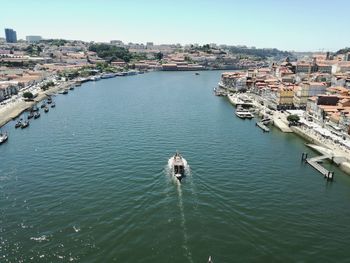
139,56
261,53
101,66
33,50
110,53
55,42
29,49
28,95
293,118
47,85
205,48
188,59
159,56
343,51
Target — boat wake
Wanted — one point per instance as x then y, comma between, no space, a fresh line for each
169,173
183,223
40,239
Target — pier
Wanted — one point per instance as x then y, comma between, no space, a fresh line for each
314,162
262,126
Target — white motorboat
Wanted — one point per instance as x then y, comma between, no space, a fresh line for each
108,75
95,78
177,163
244,113
3,137
266,120
25,124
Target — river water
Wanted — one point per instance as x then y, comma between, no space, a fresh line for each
88,181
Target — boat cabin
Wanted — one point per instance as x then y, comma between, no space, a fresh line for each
179,169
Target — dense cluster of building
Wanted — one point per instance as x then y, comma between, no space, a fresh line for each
19,68
27,62
319,85
13,80
181,58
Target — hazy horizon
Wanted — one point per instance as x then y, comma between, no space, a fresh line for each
291,26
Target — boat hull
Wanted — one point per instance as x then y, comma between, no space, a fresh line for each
25,125
177,165
3,139
243,113
244,116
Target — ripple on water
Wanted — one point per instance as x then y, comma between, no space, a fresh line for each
87,181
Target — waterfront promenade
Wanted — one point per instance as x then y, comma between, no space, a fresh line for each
16,106
307,133
335,149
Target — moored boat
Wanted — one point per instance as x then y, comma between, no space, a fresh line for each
53,105
244,113
46,109
18,124
108,75
266,120
221,85
219,92
71,87
25,124
83,80
121,74
131,72
43,105
262,126
30,115
65,91
3,137
36,115
34,109
95,78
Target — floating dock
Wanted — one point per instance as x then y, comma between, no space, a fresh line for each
314,162
262,126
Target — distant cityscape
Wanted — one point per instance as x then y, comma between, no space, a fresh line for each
285,80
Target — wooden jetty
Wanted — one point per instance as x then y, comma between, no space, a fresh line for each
314,162
262,126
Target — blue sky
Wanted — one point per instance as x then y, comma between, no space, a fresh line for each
301,25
